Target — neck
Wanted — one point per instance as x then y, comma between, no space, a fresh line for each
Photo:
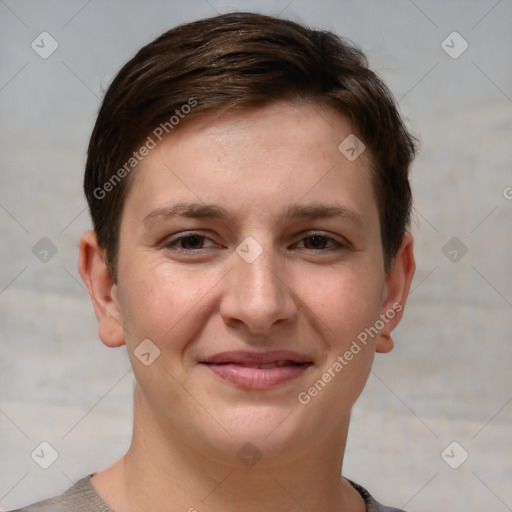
160,471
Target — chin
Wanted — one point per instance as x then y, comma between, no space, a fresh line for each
269,431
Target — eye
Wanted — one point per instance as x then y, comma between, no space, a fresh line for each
321,243
191,242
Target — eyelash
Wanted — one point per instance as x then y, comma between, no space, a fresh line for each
173,244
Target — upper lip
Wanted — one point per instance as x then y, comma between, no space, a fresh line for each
248,357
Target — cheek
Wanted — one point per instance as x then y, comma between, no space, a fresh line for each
347,301
163,303
346,305
166,308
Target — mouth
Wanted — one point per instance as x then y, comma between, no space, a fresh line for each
266,366
258,370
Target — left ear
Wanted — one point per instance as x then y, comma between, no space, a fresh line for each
396,289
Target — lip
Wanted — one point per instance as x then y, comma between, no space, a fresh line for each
243,368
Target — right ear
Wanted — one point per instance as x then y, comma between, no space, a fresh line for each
102,290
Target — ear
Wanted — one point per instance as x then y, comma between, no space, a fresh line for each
102,289
396,289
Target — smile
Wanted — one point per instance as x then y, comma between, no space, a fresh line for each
258,371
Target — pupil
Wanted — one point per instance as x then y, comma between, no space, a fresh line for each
315,241
191,241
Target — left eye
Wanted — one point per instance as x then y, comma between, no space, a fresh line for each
319,242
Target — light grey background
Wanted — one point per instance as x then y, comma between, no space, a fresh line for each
449,376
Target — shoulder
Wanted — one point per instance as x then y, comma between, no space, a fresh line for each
81,497
372,505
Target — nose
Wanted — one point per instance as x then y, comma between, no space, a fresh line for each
257,297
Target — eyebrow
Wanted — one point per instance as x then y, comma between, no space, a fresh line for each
193,210
321,211
211,211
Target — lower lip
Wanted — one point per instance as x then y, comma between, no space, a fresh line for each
255,378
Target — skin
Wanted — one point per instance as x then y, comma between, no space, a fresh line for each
188,423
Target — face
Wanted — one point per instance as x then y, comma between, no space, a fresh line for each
250,256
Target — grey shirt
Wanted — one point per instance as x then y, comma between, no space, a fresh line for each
82,497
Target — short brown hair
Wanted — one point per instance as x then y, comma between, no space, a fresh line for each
243,60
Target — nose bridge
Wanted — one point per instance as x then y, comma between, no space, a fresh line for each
262,275
257,296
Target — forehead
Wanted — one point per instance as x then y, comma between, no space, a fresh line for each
263,160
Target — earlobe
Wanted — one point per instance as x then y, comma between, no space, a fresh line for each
385,343
102,290
396,289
